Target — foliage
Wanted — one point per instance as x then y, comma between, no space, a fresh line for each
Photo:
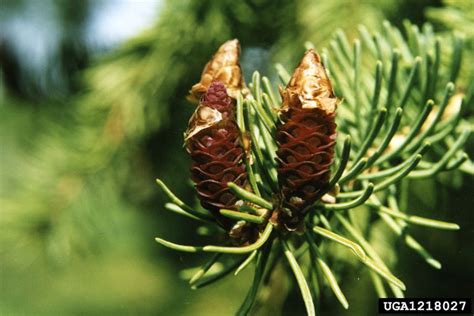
77,208
127,97
399,102
458,16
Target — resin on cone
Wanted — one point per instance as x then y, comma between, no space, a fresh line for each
224,67
306,139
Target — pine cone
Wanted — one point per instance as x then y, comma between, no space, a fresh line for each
213,141
305,140
224,67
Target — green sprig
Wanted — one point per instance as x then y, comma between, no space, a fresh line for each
389,86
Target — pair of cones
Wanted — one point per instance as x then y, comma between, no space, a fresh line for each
305,136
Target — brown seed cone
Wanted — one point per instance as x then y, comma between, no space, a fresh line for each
305,140
224,67
213,141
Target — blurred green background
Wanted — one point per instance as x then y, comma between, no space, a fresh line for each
92,110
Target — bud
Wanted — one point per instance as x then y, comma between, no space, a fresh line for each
224,67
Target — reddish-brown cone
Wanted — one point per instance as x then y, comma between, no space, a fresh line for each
305,140
213,141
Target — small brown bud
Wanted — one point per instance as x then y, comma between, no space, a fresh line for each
309,87
223,67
